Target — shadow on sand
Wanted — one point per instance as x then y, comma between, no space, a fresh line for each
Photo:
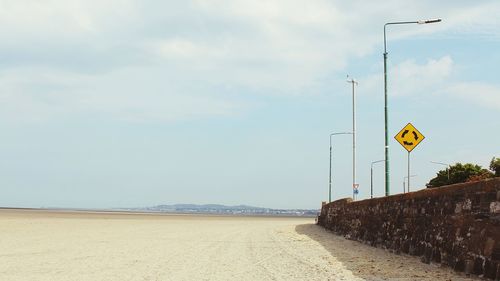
375,264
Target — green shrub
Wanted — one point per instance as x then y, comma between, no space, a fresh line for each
460,173
495,166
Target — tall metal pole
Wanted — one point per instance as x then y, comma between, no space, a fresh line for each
386,117
386,121
353,82
444,164
371,182
404,181
408,171
353,138
330,177
371,177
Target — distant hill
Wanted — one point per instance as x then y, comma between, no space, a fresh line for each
206,206
223,209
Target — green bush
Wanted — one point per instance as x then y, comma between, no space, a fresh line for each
495,166
460,173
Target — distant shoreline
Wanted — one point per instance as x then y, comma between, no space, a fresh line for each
139,212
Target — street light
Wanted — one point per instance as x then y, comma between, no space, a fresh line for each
371,176
404,180
447,168
386,119
330,178
353,82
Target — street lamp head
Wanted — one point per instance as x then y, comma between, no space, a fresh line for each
429,21
351,80
440,163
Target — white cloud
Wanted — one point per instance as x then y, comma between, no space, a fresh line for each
181,49
435,77
38,95
479,93
477,19
33,20
412,78
281,47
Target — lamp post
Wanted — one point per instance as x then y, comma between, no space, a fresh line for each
404,180
353,82
371,176
447,167
330,177
386,119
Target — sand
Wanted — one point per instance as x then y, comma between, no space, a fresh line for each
56,245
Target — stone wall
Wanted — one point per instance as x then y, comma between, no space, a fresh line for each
456,225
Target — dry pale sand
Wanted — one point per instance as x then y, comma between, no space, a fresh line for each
48,245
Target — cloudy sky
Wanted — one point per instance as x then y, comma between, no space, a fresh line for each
137,103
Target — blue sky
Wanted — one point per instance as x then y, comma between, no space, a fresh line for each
136,103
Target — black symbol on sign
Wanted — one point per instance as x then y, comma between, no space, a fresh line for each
409,143
415,135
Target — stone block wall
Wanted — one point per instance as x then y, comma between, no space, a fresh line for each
456,225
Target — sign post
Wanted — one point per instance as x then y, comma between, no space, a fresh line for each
408,171
409,137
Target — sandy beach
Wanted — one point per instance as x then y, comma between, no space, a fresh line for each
61,245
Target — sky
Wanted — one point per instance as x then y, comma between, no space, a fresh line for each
111,104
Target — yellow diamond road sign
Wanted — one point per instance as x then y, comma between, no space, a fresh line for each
409,137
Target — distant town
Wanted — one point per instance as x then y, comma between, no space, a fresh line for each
226,210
